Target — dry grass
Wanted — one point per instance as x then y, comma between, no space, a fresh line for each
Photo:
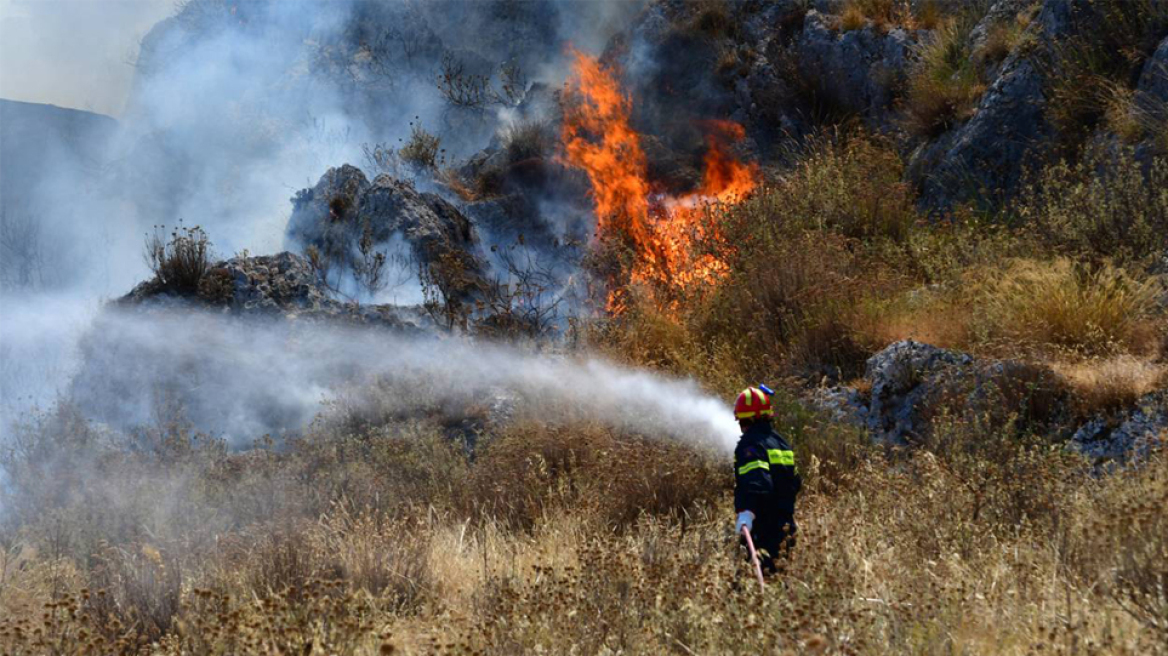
852,18
1104,385
889,14
1086,71
973,544
945,88
1065,305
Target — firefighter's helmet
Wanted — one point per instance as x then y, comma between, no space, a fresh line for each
753,403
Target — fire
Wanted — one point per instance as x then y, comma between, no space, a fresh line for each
662,230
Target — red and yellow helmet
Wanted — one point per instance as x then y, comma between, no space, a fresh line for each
753,403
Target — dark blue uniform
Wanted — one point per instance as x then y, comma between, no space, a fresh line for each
766,483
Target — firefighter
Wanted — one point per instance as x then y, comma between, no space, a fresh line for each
766,481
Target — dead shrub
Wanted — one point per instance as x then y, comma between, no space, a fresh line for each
139,587
1012,478
217,286
276,558
534,468
179,262
422,151
380,555
526,139
1141,578
713,19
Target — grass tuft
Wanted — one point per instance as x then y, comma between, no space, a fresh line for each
1066,305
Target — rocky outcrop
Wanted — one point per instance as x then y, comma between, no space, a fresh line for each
909,384
902,378
345,220
1128,435
274,286
983,159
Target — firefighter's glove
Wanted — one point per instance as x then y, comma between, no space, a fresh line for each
745,518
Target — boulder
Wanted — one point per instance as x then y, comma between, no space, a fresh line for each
901,378
909,384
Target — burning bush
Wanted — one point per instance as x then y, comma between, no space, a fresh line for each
660,232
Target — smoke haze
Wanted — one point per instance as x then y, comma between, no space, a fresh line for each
74,53
232,108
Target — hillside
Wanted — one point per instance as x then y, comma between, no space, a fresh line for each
479,401
41,147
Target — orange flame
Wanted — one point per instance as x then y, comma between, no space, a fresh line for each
662,230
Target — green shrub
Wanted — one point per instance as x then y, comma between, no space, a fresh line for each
852,185
1107,205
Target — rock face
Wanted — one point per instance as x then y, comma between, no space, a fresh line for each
332,219
1152,90
985,157
858,68
50,166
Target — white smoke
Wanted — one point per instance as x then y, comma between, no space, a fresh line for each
244,378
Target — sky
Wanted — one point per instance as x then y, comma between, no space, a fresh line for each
74,53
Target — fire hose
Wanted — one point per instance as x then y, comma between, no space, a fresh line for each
753,557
